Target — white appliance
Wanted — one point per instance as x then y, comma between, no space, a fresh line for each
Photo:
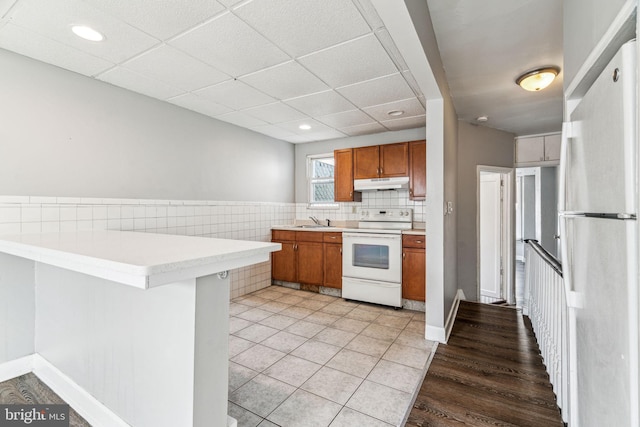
372,256
397,183
598,204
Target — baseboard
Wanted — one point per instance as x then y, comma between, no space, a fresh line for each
15,368
82,402
452,314
435,333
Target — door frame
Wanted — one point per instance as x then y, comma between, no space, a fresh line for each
508,230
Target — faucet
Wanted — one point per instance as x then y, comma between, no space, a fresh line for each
315,220
328,222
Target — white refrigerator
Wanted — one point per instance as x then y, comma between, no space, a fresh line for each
598,204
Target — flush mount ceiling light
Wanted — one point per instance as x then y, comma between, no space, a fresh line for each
304,127
395,113
482,119
537,79
87,33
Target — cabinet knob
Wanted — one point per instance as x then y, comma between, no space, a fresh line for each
332,237
418,241
341,250
350,193
411,192
404,255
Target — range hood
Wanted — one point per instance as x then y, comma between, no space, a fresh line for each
381,184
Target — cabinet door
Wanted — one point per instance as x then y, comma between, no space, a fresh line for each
366,162
552,147
394,160
283,263
417,170
530,150
310,263
413,274
343,177
333,265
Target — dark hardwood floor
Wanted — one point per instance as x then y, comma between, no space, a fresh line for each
489,374
28,389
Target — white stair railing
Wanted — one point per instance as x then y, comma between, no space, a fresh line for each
546,306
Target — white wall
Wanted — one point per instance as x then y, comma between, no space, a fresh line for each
477,145
64,134
18,308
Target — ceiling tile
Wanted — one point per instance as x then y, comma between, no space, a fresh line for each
277,112
405,123
273,131
294,126
235,94
327,134
5,5
377,91
28,43
366,59
162,19
297,139
411,107
230,3
135,82
346,119
304,26
199,104
230,45
241,119
53,19
321,104
363,129
176,68
288,80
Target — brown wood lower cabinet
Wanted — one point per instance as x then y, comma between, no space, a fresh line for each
333,260
301,259
413,267
283,262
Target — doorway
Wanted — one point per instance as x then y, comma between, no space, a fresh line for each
495,224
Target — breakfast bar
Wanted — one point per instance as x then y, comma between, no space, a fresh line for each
128,328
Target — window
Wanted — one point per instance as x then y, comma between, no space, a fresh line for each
320,175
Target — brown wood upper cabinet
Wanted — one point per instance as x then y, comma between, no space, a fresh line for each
343,177
417,170
381,161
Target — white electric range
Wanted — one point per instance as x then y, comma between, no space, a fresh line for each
372,256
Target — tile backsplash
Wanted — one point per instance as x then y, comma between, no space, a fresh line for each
219,219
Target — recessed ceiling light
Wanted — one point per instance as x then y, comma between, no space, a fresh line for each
537,79
395,113
482,119
87,33
304,127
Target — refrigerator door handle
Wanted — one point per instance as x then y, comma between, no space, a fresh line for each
574,299
564,149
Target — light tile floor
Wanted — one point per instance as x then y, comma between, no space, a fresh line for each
299,358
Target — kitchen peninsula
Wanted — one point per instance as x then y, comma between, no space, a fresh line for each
129,328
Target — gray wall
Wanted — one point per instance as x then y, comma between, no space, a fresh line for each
323,147
529,207
64,134
585,22
547,204
477,145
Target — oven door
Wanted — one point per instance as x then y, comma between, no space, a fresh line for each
372,256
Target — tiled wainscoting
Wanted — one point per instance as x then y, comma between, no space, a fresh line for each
204,218
226,220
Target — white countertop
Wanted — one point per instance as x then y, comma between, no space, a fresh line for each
142,260
415,231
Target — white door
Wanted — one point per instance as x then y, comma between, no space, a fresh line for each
490,236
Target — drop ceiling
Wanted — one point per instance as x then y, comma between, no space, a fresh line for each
267,65
272,65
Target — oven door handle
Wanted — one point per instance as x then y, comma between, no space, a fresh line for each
370,236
